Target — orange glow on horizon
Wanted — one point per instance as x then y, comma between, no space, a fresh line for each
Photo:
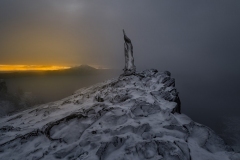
31,68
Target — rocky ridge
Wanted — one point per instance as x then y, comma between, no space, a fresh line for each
133,117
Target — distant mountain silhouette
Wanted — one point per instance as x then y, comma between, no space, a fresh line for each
83,68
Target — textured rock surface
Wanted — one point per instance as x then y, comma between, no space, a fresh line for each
129,68
131,118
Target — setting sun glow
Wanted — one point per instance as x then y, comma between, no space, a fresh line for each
31,68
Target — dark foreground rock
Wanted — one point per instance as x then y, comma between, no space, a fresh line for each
130,118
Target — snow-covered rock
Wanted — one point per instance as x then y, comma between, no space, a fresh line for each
130,118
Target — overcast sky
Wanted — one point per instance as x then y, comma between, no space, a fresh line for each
165,34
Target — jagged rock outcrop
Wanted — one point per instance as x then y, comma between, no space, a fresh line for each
131,118
129,68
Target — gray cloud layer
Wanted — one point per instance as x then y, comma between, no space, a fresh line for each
165,34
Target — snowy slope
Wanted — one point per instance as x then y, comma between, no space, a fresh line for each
129,118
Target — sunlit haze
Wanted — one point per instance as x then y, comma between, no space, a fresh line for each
4,68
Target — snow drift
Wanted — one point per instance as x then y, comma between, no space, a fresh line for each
133,117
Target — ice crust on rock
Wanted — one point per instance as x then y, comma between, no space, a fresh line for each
129,68
133,117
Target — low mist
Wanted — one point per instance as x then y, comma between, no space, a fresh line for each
43,87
